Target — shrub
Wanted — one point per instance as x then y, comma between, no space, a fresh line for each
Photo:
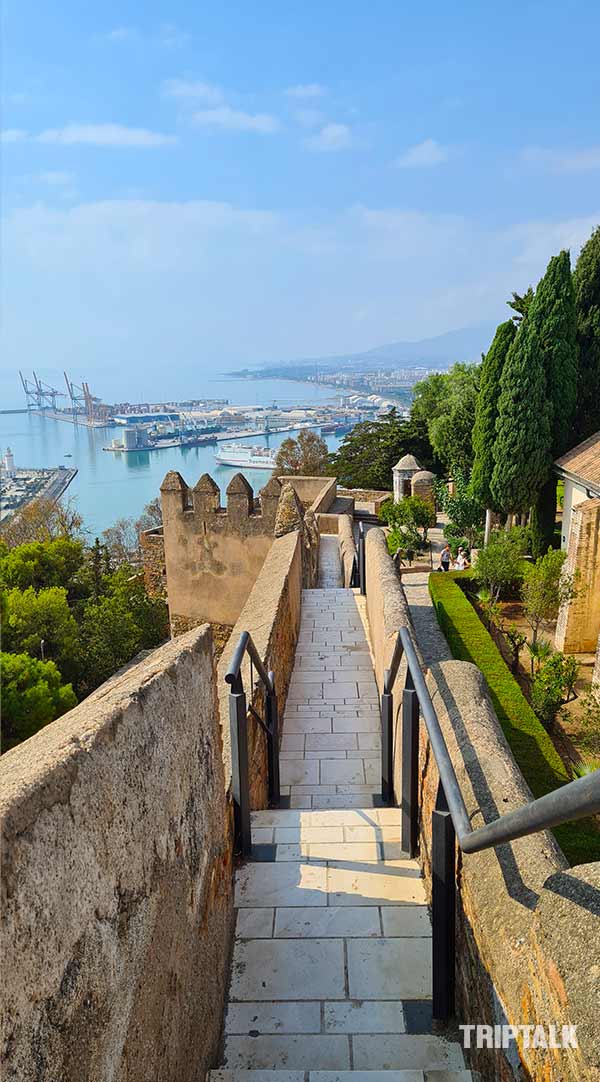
500,564
32,695
554,680
545,589
413,512
531,745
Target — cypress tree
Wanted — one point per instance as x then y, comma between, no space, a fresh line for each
586,281
522,455
553,320
486,414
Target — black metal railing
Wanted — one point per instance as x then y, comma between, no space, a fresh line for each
450,819
362,559
239,709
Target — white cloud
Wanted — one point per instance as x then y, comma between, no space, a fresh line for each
332,137
56,178
309,118
192,91
305,91
122,33
220,274
105,135
583,160
12,135
168,36
236,120
423,154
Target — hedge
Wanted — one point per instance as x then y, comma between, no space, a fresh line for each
538,759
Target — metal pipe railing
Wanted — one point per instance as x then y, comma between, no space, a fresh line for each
238,719
450,818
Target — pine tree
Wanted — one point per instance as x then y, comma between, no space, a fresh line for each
586,281
486,413
553,320
522,455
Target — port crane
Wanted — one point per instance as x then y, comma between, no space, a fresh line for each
38,394
83,401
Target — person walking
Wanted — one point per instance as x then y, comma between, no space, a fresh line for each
445,558
461,563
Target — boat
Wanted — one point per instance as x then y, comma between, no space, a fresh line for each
68,455
249,458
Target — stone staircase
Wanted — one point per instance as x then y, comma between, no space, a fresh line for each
331,971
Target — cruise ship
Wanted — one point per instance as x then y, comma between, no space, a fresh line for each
249,458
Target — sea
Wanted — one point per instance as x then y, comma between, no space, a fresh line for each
110,486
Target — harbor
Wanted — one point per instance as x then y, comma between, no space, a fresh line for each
108,487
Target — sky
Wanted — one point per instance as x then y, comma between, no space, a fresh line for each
193,187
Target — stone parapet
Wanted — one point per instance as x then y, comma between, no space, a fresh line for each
347,547
272,616
117,880
528,927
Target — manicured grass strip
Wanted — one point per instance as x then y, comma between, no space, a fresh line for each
538,759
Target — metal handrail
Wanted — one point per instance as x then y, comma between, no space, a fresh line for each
246,645
238,718
450,818
575,800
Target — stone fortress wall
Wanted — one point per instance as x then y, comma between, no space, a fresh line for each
117,880
527,946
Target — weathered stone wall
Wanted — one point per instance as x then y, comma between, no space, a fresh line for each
117,881
528,928
578,622
213,555
152,544
373,497
347,546
314,493
272,616
596,673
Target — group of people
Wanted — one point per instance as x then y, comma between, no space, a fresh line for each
449,563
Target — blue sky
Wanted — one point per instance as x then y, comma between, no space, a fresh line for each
200,186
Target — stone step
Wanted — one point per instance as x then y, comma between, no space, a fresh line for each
400,1075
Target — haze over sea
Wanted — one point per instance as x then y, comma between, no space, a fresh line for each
110,486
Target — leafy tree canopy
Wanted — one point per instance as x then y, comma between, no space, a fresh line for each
42,563
367,454
43,520
32,695
35,616
308,455
586,282
522,454
465,511
486,413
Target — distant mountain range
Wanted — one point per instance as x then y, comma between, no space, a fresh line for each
465,344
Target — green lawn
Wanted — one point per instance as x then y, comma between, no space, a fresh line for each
538,759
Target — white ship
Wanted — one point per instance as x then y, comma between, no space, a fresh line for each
249,458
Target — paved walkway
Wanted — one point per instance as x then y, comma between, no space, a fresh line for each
331,974
427,630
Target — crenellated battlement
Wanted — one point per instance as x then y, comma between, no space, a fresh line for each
203,502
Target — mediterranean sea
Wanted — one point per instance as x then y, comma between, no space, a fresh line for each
110,486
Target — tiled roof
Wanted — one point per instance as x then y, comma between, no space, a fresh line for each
583,461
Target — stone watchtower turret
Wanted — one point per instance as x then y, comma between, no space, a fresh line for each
403,473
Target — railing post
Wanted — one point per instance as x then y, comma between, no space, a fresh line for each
410,770
238,717
362,567
387,762
443,857
272,720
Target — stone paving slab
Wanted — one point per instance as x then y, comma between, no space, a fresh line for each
386,1052
278,1050
267,969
